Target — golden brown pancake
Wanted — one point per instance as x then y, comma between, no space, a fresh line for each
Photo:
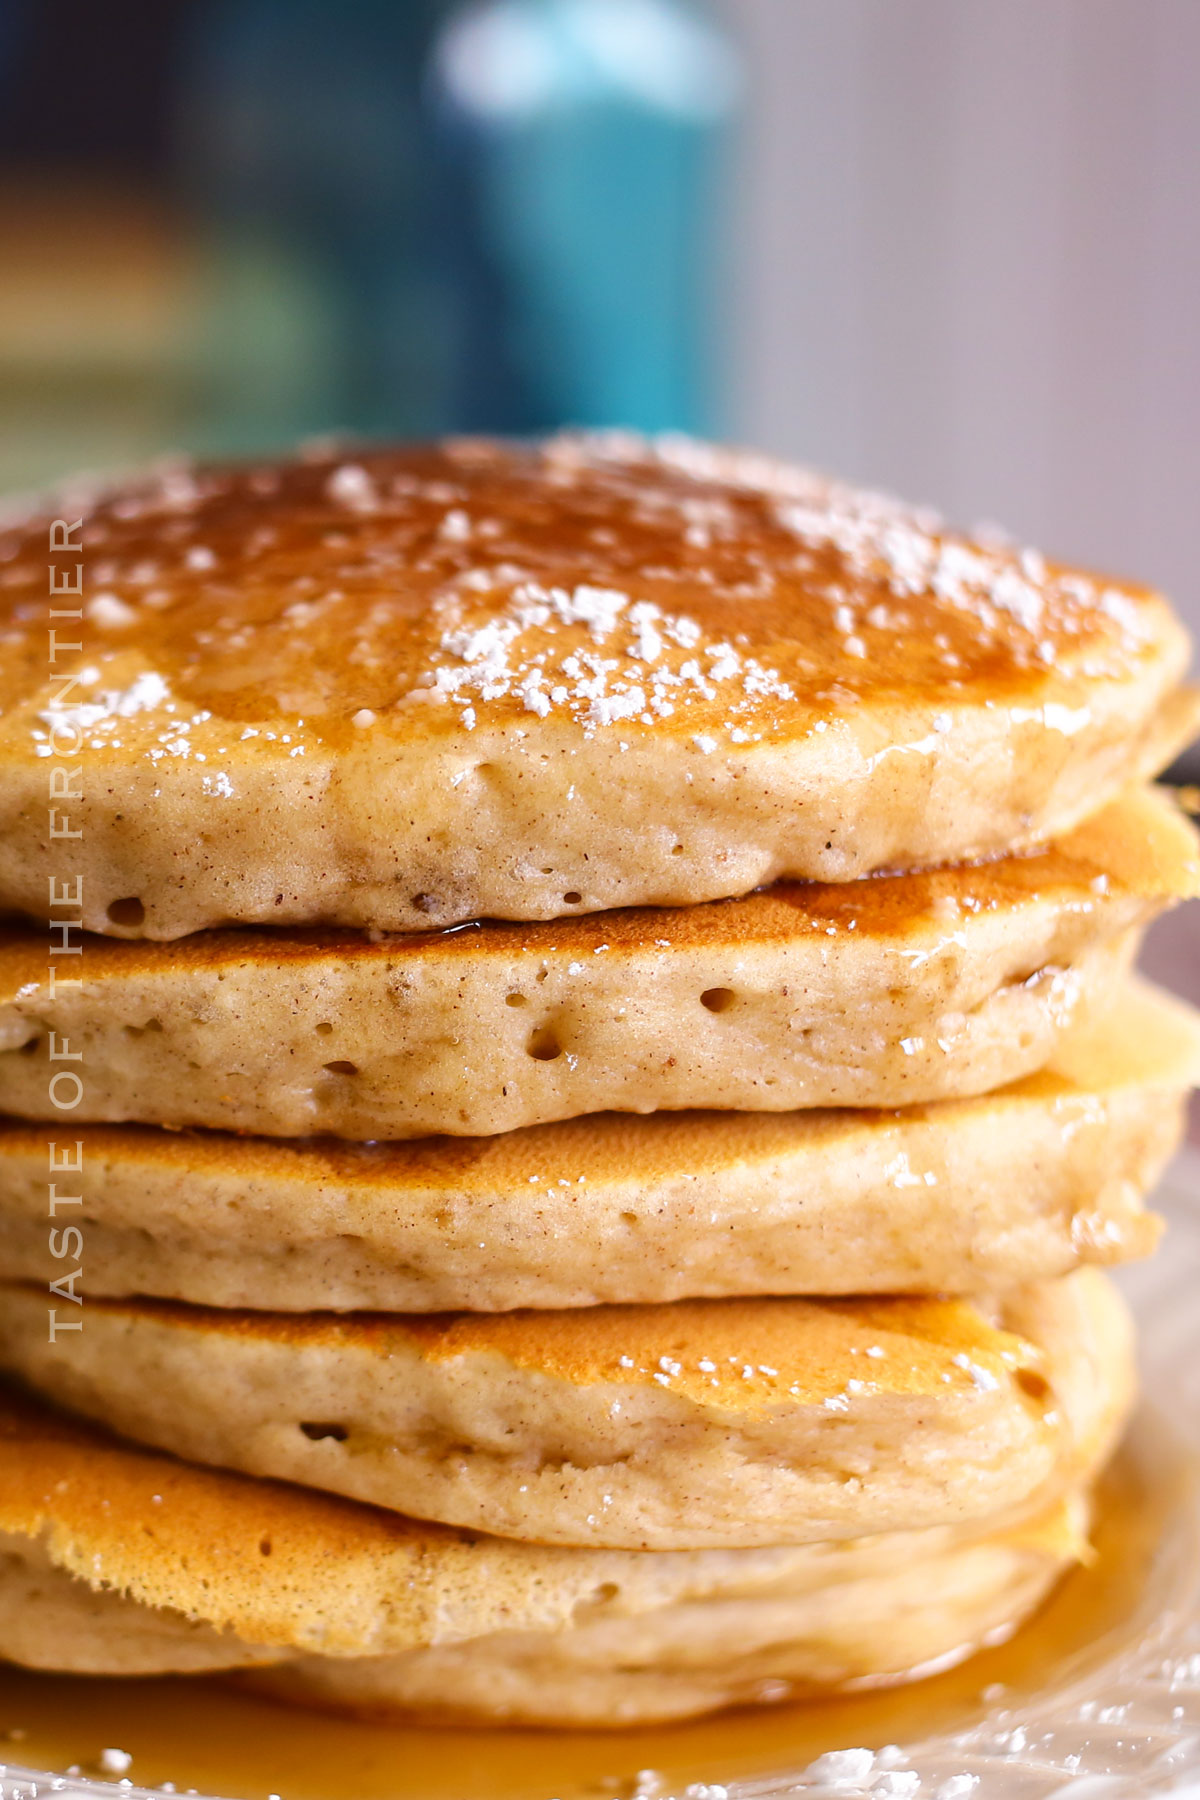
404,688
115,1560
961,1197
887,992
704,1424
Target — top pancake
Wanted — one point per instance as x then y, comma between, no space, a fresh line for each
415,687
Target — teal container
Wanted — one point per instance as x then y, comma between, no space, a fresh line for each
584,150
507,215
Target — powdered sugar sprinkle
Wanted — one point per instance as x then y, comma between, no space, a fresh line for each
638,662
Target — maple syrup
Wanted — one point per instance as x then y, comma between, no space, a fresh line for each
199,1734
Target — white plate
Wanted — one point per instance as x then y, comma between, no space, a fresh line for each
1116,1718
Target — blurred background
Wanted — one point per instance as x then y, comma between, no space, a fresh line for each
949,247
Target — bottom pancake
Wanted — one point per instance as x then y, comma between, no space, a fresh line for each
702,1424
882,1612
119,1561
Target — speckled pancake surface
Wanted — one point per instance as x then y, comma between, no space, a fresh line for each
405,688
703,1424
115,1560
961,1197
886,992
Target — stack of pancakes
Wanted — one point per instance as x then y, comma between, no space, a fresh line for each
607,1071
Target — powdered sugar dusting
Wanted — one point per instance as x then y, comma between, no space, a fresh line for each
145,692
350,485
909,547
602,580
638,662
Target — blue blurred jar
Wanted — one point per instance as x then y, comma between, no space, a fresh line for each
583,152
427,216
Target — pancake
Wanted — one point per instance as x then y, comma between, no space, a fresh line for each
888,992
961,1197
703,1424
875,1613
115,1560
408,688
